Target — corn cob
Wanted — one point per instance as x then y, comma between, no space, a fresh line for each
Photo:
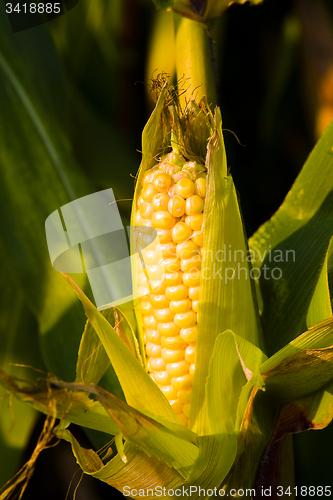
172,202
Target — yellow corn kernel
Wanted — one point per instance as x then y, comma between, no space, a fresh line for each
157,364
185,320
178,368
189,335
150,257
194,263
180,306
154,350
169,391
176,206
145,308
185,187
182,383
186,410
178,292
177,406
189,354
194,221
149,322
162,378
200,187
159,301
192,368
163,315
194,205
170,265
157,287
173,279
162,182
163,235
184,396
172,355
146,210
187,250
167,250
160,202
168,329
193,292
192,278
175,342
148,192
163,220
195,305
198,237
154,273
181,232
153,336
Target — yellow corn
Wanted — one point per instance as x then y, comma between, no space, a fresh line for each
172,201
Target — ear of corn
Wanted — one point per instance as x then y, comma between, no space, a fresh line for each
172,202
182,196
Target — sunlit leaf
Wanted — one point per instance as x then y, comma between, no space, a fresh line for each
289,249
34,151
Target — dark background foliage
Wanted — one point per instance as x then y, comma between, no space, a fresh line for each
274,66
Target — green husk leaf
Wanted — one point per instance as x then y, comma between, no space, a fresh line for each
251,358
129,371
234,361
300,374
320,306
255,433
317,336
152,437
297,237
226,287
314,411
226,379
139,473
92,361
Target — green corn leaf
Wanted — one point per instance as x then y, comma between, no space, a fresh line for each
34,151
320,306
226,286
295,242
129,371
17,419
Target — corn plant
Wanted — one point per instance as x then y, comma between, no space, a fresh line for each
226,349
